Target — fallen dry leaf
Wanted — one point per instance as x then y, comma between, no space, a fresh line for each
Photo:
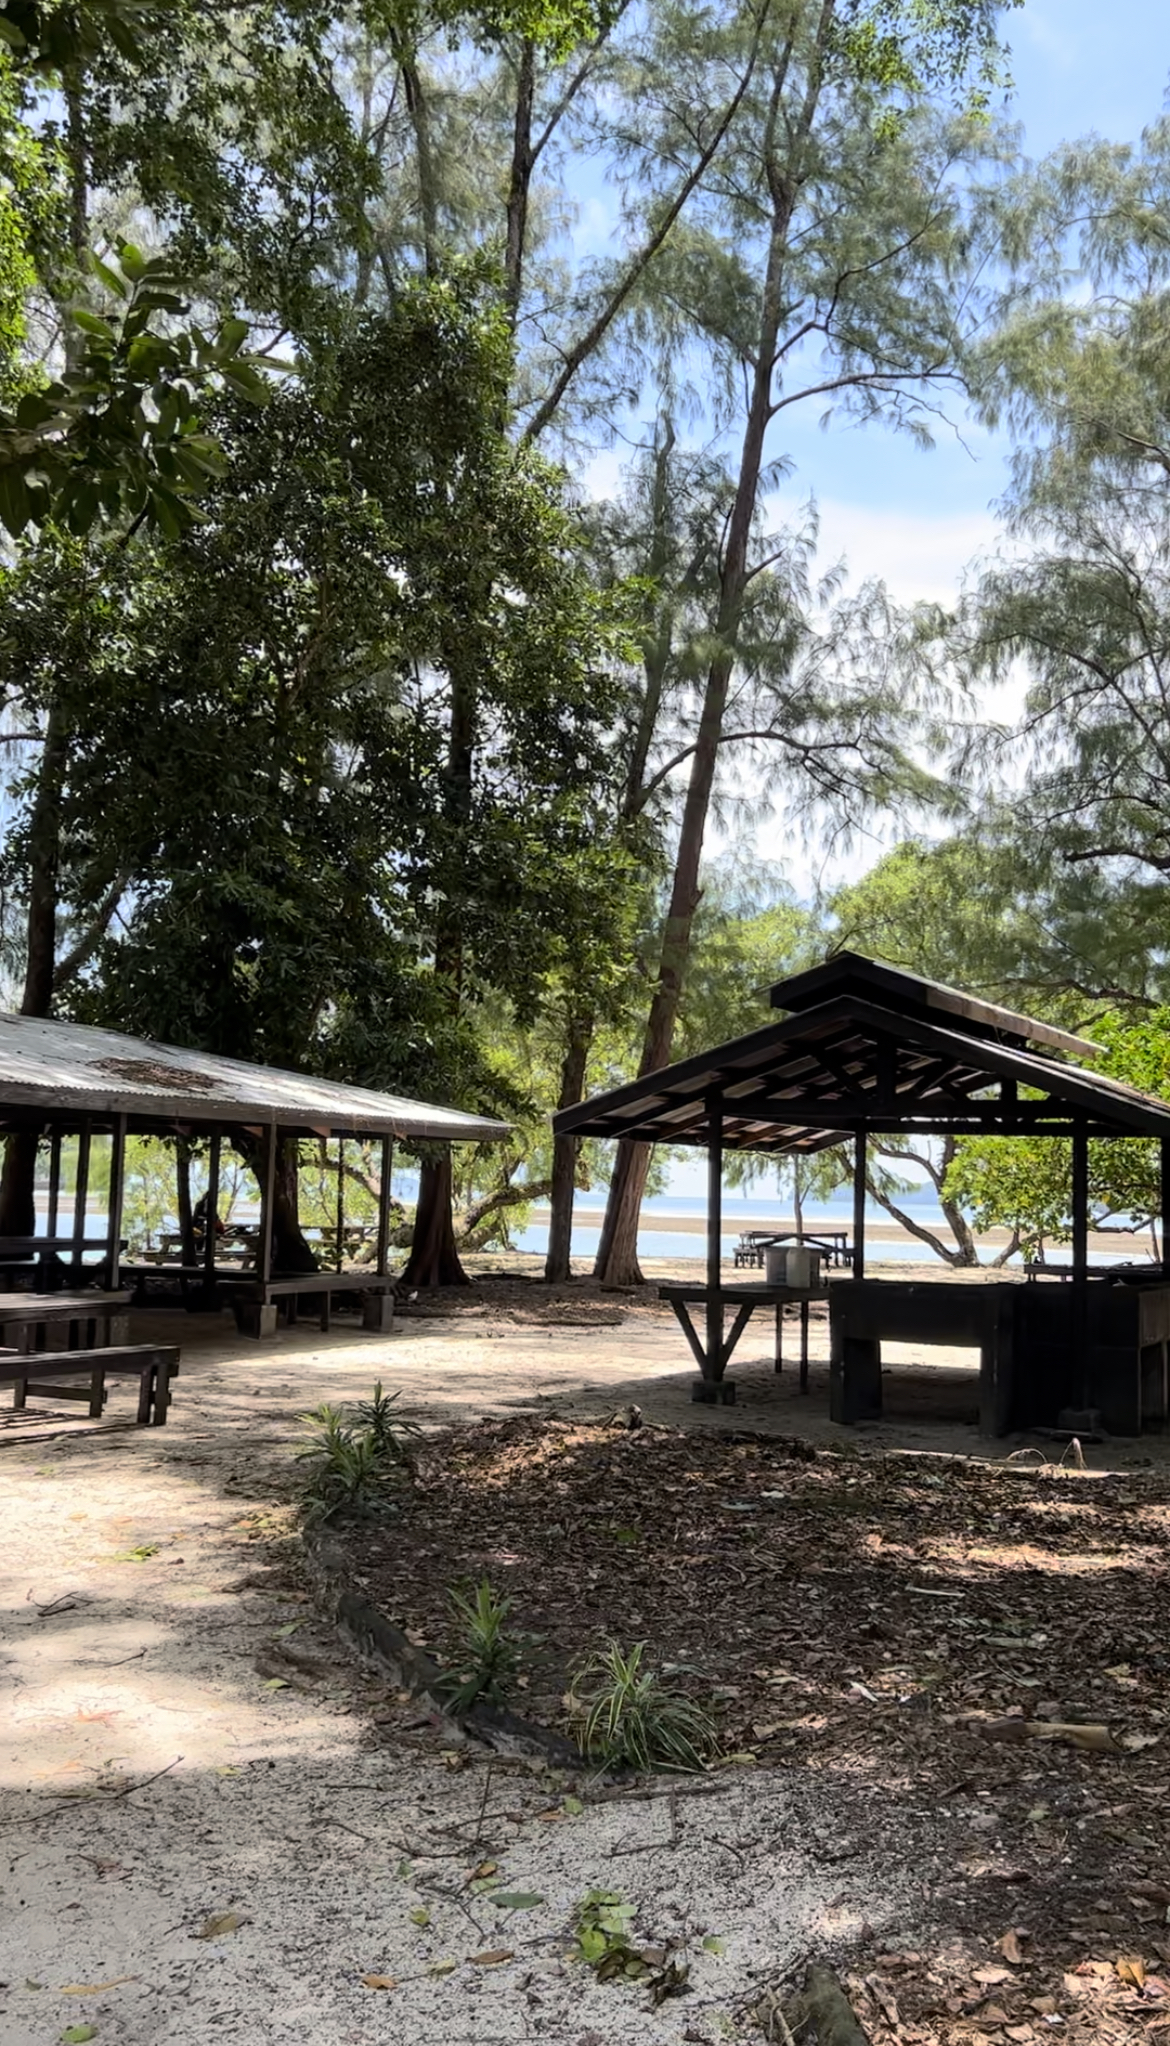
492,1958
379,1982
1095,1739
220,1924
987,1976
1132,1969
93,1988
1010,1948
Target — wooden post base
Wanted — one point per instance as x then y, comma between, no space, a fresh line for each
712,1392
378,1313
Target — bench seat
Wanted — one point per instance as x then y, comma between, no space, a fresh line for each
256,1303
39,1376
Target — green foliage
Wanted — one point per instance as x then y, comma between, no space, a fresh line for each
349,1471
488,1654
906,46
602,1937
1025,1183
256,714
391,1429
625,1714
118,436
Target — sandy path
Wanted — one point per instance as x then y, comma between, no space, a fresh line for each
137,1603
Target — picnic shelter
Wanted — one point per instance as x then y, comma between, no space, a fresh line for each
859,1050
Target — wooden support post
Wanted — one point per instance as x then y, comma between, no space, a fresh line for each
384,1197
115,1198
267,1190
714,1108
1080,1254
340,1200
211,1226
1165,1148
54,1182
80,1197
859,1203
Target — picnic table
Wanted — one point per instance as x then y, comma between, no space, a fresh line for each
94,1318
833,1244
710,1388
44,1258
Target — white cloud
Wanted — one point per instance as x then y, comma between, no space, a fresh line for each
920,556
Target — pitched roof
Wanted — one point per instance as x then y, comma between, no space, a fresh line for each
66,1069
910,994
860,1050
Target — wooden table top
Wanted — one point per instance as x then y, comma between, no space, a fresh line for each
739,1290
61,1306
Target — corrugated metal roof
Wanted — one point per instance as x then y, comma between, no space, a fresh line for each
70,1066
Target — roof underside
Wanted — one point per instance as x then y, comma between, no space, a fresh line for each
54,1073
852,1062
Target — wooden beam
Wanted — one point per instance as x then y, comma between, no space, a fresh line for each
714,1111
212,1218
54,1179
80,1196
859,1203
340,1199
114,1199
384,1198
1080,1255
267,1189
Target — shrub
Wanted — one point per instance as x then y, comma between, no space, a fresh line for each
623,1712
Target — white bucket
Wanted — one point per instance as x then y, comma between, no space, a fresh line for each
793,1265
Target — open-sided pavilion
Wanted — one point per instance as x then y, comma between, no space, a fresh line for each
864,1050
61,1079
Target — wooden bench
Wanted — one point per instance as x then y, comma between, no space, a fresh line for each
39,1377
256,1303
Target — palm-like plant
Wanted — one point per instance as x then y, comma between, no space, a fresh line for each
623,1712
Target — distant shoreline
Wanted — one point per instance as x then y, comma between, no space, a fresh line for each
875,1232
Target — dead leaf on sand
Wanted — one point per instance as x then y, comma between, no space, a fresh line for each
379,1982
1010,1948
493,1957
94,1988
220,1924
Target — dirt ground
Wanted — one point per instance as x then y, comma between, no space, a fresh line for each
214,1825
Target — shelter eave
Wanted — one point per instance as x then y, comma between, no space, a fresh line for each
826,1072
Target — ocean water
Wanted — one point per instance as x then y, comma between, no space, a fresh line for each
752,1210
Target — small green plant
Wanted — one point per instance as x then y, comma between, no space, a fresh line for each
623,1712
388,1425
346,1472
602,1937
489,1653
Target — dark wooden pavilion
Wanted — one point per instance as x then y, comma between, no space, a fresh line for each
862,1050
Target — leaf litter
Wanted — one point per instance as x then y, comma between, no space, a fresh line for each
986,1643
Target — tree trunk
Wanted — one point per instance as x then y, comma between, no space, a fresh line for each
434,1259
520,180
290,1251
418,108
617,1258
566,1150
17,1181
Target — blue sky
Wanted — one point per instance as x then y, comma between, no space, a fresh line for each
917,518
